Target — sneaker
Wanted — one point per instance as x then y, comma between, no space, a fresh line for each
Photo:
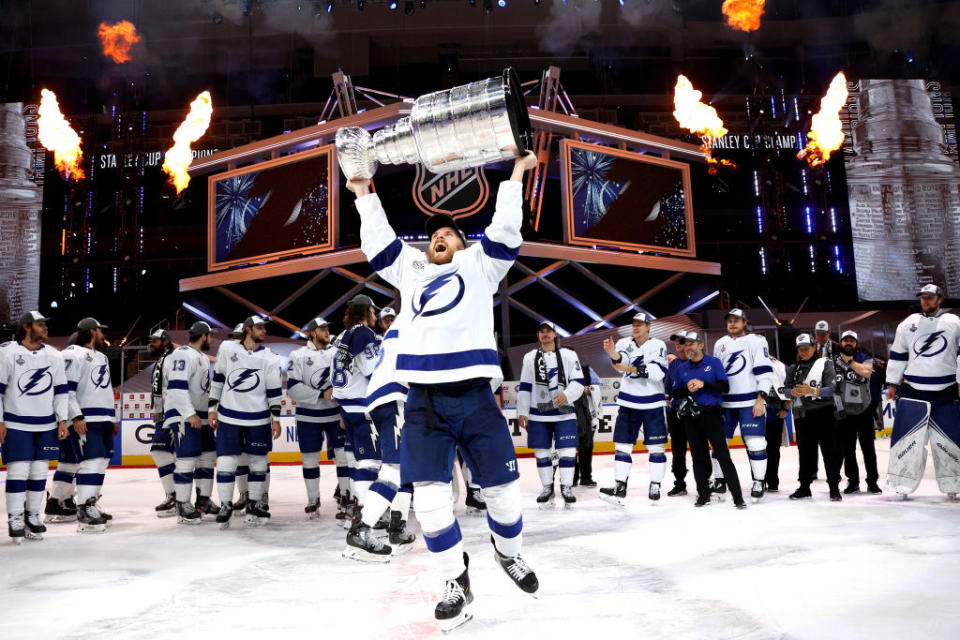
450,611
312,509
167,508
677,491
835,495
654,492
615,495
401,540
740,504
873,487
773,487
588,482
719,485
35,528
802,493
853,487
567,493
702,501
756,492
362,545
89,518
15,528
517,569
545,499
188,514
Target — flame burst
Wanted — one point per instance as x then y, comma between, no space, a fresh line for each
58,136
826,132
699,118
117,40
179,156
743,14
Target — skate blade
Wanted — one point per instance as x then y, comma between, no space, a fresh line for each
618,502
400,549
255,521
167,514
58,519
33,536
447,626
353,553
224,525
569,506
91,528
718,497
545,506
473,511
345,523
313,516
16,541
756,499
188,520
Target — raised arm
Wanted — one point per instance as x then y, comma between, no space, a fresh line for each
387,254
501,240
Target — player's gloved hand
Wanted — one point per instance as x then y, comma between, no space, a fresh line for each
642,371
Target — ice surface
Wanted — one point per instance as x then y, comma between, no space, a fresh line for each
869,567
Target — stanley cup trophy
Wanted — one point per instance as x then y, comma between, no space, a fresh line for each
459,128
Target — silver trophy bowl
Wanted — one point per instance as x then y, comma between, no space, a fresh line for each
460,128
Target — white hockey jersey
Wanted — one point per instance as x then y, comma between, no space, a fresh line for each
89,384
383,386
926,352
350,374
33,388
308,377
637,392
527,405
187,372
450,334
747,362
247,384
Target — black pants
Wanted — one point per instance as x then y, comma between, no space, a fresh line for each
858,427
704,432
774,441
678,448
584,469
818,427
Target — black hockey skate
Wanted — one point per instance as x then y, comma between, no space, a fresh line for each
188,514
106,516
476,505
60,510
517,569
757,491
678,490
382,524
15,528
166,509
719,485
205,505
401,540
240,506
451,610
35,528
568,498
224,515
345,510
545,499
256,514
615,495
802,493
312,509
89,519
362,545
654,492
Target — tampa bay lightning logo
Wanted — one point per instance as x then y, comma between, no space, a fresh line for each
447,298
637,362
35,382
930,345
319,378
243,380
100,377
736,363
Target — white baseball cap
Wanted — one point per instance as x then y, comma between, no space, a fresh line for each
805,340
387,312
930,290
643,317
547,323
736,313
821,327
849,333
316,323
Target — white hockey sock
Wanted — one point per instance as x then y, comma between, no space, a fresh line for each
266,478
351,471
568,464
381,494
311,474
401,502
164,461
36,483
622,459
183,478
258,476
658,461
63,479
757,452
226,477
441,533
88,479
243,470
203,473
343,471
364,476
504,516
544,466
102,474
17,473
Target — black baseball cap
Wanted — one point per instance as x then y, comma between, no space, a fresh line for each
363,299
316,323
32,316
89,324
441,220
199,328
254,321
160,334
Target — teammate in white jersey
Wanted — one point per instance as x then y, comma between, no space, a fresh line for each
245,413
185,402
91,408
642,404
162,449
551,380
923,373
33,414
448,356
309,386
746,359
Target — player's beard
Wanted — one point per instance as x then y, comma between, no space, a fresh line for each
156,352
848,350
205,344
442,258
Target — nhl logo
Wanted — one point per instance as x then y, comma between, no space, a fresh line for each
457,193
